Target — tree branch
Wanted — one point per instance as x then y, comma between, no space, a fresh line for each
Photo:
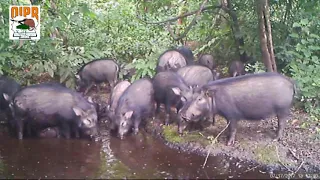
178,17
194,20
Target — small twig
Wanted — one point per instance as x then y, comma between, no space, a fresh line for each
251,168
201,134
213,141
294,154
299,167
281,161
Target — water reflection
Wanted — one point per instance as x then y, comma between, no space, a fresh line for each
53,158
152,158
138,156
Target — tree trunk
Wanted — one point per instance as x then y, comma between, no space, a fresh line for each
269,37
236,29
265,36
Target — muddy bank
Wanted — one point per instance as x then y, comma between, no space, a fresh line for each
296,152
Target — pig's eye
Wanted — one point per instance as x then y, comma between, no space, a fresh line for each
199,99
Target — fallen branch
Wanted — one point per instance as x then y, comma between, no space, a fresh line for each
212,142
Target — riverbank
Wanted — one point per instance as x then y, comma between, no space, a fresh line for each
297,152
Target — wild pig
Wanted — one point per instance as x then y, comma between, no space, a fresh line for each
236,68
41,106
96,72
195,75
170,60
249,97
208,61
187,53
135,104
114,98
8,87
170,90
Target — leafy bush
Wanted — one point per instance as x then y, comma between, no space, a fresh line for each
257,67
302,52
111,30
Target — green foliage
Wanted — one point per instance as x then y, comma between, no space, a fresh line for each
304,64
111,29
106,29
257,67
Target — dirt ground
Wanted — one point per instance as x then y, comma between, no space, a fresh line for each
297,151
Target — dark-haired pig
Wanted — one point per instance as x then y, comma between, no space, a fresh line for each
135,104
249,97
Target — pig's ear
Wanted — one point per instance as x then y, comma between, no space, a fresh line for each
90,99
6,97
176,91
77,111
128,114
77,76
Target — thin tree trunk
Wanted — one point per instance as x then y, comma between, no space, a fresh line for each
269,37
266,55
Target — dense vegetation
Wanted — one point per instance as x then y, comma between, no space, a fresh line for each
75,31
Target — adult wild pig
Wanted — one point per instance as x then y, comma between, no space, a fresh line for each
249,97
135,104
47,105
170,60
236,68
96,72
208,61
187,53
195,75
8,87
170,90
114,98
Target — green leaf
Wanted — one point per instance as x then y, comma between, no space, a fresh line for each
51,72
64,18
304,21
294,35
296,24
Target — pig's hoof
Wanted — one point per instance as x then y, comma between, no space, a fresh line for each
136,131
230,142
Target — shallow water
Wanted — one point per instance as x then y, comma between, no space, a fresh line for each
140,156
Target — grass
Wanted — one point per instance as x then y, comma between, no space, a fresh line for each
266,154
170,134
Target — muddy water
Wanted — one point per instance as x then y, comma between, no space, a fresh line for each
138,156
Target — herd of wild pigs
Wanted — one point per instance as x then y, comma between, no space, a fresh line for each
194,88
